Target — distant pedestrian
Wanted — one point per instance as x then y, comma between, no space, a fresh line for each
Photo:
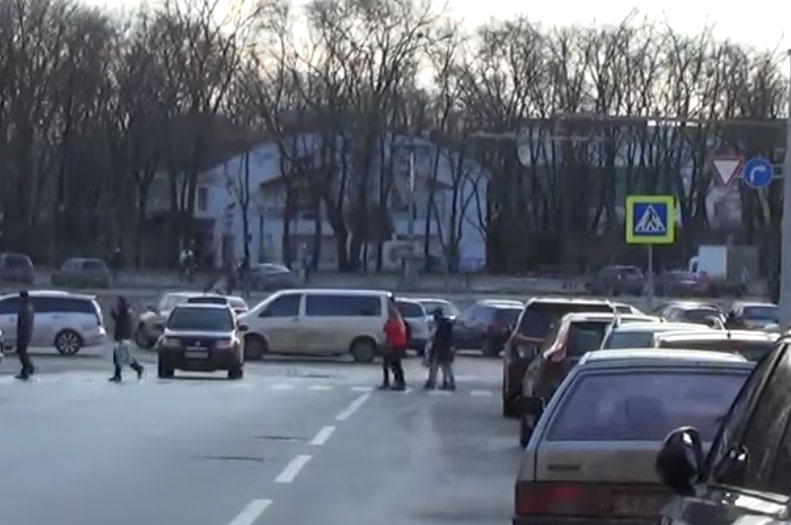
440,354
24,333
395,350
306,262
244,277
122,334
116,263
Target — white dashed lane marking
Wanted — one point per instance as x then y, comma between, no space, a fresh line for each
292,469
323,435
481,393
251,512
321,387
353,407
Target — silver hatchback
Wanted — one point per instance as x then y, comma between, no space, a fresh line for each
64,320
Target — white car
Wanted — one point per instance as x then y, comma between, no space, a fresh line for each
416,319
64,320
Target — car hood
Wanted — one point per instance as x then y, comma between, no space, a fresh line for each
198,333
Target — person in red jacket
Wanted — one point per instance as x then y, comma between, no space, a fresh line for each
396,343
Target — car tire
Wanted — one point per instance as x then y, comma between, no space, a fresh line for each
236,373
164,371
68,342
363,350
254,347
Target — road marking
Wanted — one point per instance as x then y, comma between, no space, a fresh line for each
353,407
282,387
321,387
362,388
481,393
292,469
323,435
251,512
438,393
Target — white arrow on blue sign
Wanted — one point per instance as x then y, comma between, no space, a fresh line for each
757,173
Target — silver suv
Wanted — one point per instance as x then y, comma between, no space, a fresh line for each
64,320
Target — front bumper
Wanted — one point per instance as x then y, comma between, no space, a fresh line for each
558,520
215,360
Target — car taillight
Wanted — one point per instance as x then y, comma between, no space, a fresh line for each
564,499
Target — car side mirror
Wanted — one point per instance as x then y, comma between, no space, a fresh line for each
531,406
243,328
680,461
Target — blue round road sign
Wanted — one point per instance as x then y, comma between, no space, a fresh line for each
757,173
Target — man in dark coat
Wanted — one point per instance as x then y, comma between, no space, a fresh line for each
122,334
24,333
441,353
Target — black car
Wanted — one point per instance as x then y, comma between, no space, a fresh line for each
744,478
617,279
16,267
485,325
202,338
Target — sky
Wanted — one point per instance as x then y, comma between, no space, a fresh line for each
764,24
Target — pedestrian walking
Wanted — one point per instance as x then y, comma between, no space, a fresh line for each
396,343
24,332
116,263
122,334
440,353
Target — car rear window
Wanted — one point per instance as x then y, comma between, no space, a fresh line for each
751,350
410,309
203,299
343,305
585,337
93,265
631,272
629,340
507,315
700,314
207,319
16,261
644,406
761,313
539,318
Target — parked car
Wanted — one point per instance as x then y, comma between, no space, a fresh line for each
752,316
272,276
752,345
641,335
16,268
485,325
616,280
744,476
82,272
237,304
320,322
67,321
539,316
681,283
417,328
574,336
448,309
201,337
692,312
590,457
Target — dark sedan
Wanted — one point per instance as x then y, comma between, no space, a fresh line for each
271,276
82,272
16,267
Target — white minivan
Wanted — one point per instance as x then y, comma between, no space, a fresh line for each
64,320
319,322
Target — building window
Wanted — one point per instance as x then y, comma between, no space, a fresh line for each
203,198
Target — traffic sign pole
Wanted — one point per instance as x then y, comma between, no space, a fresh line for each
651,276
785,253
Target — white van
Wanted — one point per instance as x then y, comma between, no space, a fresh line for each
319,322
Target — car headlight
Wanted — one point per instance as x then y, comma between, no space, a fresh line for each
224,344
169,342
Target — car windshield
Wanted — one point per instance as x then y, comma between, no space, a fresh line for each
584,337
761,313
643,405
701,314
201,319
625,339
539,318
93,265
16,261
410,309
507,316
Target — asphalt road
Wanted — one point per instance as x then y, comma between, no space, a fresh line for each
294,442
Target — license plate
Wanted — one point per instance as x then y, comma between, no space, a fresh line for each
196,353
638,504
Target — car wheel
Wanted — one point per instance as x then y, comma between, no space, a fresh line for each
363,350
68,342
164,371
254,347
236,373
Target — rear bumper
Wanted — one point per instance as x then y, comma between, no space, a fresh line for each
94,338
217,360
557,520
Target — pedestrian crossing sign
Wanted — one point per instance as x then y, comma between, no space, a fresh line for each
650,219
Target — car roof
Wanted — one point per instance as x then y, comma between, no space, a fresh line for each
747,304
335,291
53,293
576,317
657,357
567,300
202,306
431,299
408,300
657,326
501,302
692,305
718,335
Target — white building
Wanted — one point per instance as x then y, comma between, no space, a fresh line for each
220,216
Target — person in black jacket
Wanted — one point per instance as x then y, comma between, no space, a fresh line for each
441,353
24,332
122,334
